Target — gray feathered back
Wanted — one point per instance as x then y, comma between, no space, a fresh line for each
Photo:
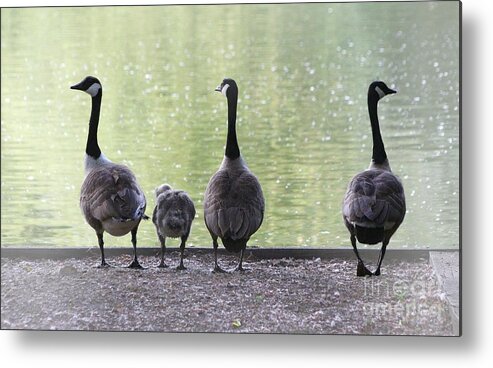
111,192
174,211
373,198
233,202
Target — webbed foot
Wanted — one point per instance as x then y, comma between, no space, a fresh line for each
218,269
362,270
135,265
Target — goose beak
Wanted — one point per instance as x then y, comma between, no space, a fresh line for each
77,86
219,88
391,91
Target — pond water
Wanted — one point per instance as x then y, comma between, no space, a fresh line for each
303,71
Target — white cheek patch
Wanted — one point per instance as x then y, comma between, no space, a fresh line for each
94,89
379,91
225,88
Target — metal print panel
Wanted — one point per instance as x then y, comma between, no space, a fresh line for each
241,168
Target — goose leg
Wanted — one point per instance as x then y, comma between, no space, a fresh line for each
380,258
216,266
182,249
135,263
361,270
101,247
162,240
240,265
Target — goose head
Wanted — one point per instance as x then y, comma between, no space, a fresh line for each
379,89
228,88
90,85
161,189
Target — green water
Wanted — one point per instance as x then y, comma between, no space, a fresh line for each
303,71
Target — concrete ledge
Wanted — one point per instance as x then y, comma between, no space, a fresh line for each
260,253
447,269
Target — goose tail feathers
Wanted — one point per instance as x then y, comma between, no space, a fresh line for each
372,235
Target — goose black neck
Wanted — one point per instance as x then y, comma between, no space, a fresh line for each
232,149
379,155
92,147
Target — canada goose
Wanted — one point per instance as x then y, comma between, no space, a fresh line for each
172,216
110,197
233,200
374,205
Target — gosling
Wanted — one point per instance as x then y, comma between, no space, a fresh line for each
172,216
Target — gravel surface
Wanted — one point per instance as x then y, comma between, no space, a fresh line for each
314,296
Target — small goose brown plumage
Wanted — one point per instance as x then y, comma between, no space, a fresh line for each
172,216
111,199
233,201
374,205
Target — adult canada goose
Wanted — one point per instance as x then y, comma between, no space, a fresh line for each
172,216
110,197
234,202
374,205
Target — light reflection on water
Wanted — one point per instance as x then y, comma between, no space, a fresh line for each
303,71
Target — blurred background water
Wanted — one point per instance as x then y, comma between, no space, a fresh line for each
303,71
